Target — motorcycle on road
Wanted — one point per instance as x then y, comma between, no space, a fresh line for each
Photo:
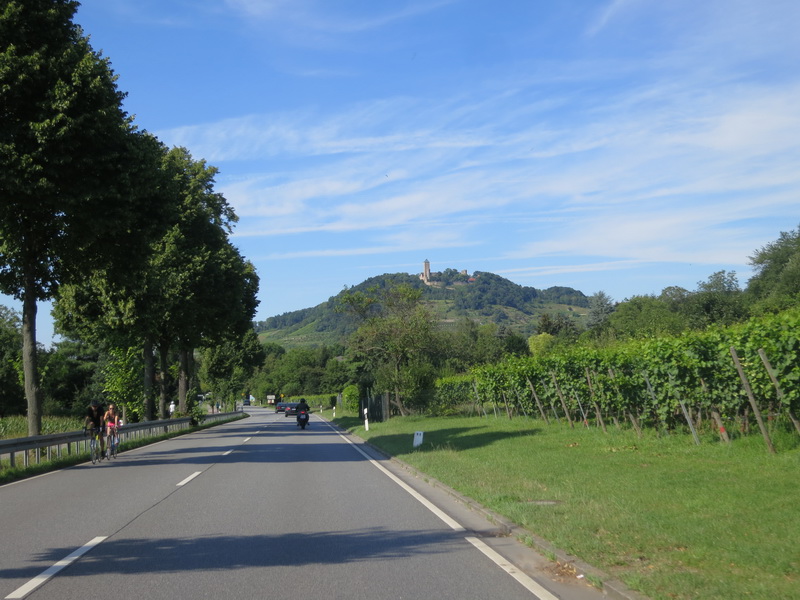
302,419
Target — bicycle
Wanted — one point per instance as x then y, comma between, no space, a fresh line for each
94,443
112,445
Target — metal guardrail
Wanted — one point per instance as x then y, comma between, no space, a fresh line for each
37,448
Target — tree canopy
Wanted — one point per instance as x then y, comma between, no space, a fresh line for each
68,163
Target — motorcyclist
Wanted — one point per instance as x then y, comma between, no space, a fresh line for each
302,407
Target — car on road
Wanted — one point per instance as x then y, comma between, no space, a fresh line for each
291,408
280,407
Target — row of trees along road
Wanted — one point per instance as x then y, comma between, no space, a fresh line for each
128,237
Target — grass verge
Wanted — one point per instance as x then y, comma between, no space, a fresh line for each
668,518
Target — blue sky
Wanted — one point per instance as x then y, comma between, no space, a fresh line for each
614,145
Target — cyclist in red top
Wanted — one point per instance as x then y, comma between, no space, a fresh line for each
111,420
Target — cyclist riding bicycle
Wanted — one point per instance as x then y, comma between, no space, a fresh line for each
94,419
111,420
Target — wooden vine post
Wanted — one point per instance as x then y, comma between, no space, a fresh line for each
538,401
654,399
686,414
594,402
774,378
563,402
478,397
634,421
521,403
723,434
505,401
583,413
752,399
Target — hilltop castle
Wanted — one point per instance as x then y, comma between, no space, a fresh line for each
429,278
426,272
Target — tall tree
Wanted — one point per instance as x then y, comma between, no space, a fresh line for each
717,300
65,151
644,316
208,287
396,341
600,308
777,271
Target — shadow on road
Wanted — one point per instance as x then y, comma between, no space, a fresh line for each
456,438
208,553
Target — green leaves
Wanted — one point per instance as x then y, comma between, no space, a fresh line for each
649,377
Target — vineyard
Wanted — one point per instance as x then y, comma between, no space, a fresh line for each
736,381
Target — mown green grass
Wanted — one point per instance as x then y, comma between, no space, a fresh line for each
667,517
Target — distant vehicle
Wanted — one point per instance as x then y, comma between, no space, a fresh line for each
280,407
246,402
290,409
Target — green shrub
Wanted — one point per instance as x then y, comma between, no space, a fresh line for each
350,398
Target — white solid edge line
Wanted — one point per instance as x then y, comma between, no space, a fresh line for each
452,523
528,583
189,478
26,589
246,440
523,579
227,452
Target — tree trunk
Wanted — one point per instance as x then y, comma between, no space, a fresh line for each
398,402
30,359
149,380
163,379
183,380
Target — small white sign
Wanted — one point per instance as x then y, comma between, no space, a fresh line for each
417,439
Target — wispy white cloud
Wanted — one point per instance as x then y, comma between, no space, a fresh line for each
609,11
576,140
631,166
319,16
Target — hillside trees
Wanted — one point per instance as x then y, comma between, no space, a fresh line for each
301,371
397,341
718,300
776,283
227,366
645,316
69,185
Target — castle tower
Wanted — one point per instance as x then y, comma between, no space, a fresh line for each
426,271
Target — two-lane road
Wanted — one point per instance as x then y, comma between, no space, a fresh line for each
255,508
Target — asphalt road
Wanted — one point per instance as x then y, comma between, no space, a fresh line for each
256,509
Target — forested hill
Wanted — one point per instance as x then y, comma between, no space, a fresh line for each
453,296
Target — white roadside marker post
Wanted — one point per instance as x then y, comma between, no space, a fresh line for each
418,439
